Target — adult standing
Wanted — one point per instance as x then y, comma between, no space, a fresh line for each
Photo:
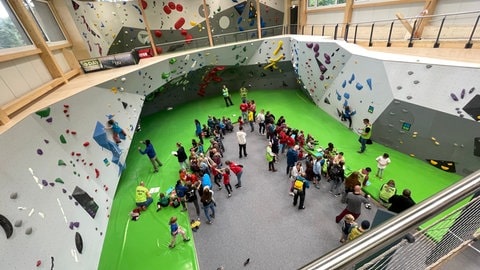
142,196
208,204
365,134
237,170
401,202
354,204
261,122
152,155
181,191
270,156
244,110
198,130
292,157
300,185
181,156
243,93
242,142
191,196
226,96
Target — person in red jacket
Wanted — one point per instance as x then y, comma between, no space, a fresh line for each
237,170
244,109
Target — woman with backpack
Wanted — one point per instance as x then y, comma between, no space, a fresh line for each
337,176
208,204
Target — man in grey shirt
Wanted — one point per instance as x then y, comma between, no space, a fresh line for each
354,204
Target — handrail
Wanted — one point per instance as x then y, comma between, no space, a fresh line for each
346,256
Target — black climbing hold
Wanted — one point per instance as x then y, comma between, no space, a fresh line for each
6,225
78,242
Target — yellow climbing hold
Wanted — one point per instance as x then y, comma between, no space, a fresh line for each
433,162
412,155
445,168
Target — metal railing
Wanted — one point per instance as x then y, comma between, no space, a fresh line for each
377,247
460,26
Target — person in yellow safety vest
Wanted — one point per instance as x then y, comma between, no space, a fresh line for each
365,134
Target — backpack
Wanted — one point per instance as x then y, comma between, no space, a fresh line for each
335,170
190,195
298,185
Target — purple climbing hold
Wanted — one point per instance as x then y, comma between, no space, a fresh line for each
70,197
76,224
309,45
52,184
44,182
327,61
316,47
462,94
454,97
317,54
471,90
64,190
49,120
46,141
327,57
39,151
70,226
359,86
323,68
322,77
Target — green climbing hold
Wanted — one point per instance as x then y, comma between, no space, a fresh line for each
43,113
174,71
165,75
245,48
61,163
59,180
62,139
172,61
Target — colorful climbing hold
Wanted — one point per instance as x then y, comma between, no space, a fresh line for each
39,151
43,113
62,139
59,180
61,163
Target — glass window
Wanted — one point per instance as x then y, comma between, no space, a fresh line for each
45,19
12,34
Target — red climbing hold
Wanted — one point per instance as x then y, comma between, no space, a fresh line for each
188,38
39,263
144,4
171,5
86,144
167,10
67,131
183,32
97,173
78,154
158,33
73,132
159,50
179,23
179,8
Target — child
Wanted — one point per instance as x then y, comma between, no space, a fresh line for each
174,230
117,132
163,201
240,121
226,180
382,162
348,224
135,214
357,231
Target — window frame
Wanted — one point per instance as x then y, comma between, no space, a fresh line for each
56,19
22,48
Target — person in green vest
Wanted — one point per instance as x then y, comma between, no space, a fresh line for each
226,96
365,134
386,192
142,196
243,93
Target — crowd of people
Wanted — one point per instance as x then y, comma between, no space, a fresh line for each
307,164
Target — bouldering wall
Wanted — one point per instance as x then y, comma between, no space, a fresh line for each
60,169
115,27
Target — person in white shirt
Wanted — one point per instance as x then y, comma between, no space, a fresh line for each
261,122
242,142
382,162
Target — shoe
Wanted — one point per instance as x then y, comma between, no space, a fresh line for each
294,204
338,194
238,186
171,246
291,194
229,195
330,192
301,208
342,241
239,156
161,164
186,240
317,186
246,155
219,188
274,170
212,216
209,222
158,209
368,206
359,152
155,171
269,169
184,209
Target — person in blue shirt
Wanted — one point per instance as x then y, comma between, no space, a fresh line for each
292,157
174,230
152,155
181,191
300,192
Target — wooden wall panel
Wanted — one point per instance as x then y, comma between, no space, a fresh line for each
5,94
27,69
61,61
14,81
42,70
